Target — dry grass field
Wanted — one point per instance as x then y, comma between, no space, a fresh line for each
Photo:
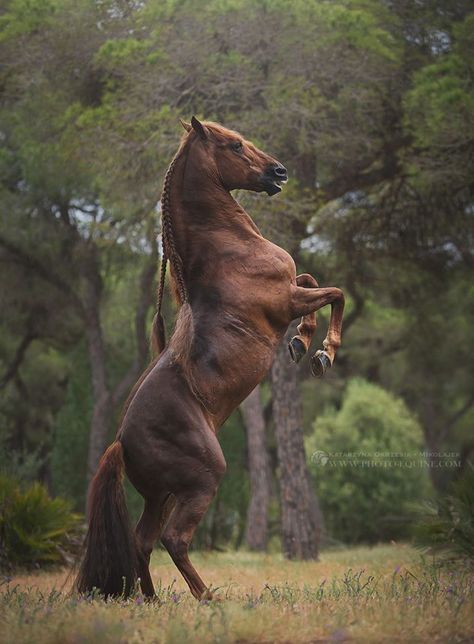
381,594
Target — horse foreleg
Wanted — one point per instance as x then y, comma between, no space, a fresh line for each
305,301
300,343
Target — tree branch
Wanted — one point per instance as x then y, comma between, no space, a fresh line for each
359,303
40,270
18,358
361,177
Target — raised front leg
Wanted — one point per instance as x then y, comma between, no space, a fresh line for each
300,343
305,301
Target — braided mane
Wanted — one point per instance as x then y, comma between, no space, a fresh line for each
170,253
182,339
169,247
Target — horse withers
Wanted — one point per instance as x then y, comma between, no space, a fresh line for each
237,293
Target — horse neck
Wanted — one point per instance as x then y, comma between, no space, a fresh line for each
202,210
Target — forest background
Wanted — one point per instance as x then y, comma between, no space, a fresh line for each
370,105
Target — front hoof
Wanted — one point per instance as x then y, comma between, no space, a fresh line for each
320,363
296,348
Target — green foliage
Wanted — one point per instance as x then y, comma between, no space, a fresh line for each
439,114
361,474
441,104
71,432
24,465
446,526
370,106
27,413
24,16
35,530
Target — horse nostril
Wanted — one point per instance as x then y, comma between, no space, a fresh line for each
280,171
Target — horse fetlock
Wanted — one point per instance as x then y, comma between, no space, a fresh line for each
297,348
331,343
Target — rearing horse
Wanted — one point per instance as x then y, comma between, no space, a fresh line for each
237,293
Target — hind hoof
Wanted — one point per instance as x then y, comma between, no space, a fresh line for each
208,596
320,363
296,348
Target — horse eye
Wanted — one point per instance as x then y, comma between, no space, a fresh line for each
237,146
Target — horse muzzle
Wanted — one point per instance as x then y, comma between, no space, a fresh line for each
274,178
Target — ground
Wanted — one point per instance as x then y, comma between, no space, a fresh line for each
381,594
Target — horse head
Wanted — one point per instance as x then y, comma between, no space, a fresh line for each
233,161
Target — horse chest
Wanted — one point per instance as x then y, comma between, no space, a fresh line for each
258,288
269,274
275,264
264,262
254,281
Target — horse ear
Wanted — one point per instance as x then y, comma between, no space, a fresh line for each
199,128
187,126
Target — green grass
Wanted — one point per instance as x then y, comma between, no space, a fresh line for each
385,593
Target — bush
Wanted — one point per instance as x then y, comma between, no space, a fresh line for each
446,526
364,493
34,529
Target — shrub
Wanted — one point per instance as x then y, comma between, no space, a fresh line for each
364,492
446,526
34,529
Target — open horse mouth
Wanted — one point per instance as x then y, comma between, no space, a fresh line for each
275,186
274,178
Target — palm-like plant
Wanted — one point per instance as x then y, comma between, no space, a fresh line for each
34,529
446,526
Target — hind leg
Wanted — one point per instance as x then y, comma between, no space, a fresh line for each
148,531
179,532
199,478
172,448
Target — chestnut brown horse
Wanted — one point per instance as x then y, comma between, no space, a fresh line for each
237,293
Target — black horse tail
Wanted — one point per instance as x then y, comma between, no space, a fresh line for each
110,559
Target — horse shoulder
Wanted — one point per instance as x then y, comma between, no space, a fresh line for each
276,262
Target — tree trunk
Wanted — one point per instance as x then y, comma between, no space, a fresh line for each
300,515
256,530
101,396
105,399
99,431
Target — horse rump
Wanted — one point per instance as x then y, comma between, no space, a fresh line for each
109,563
